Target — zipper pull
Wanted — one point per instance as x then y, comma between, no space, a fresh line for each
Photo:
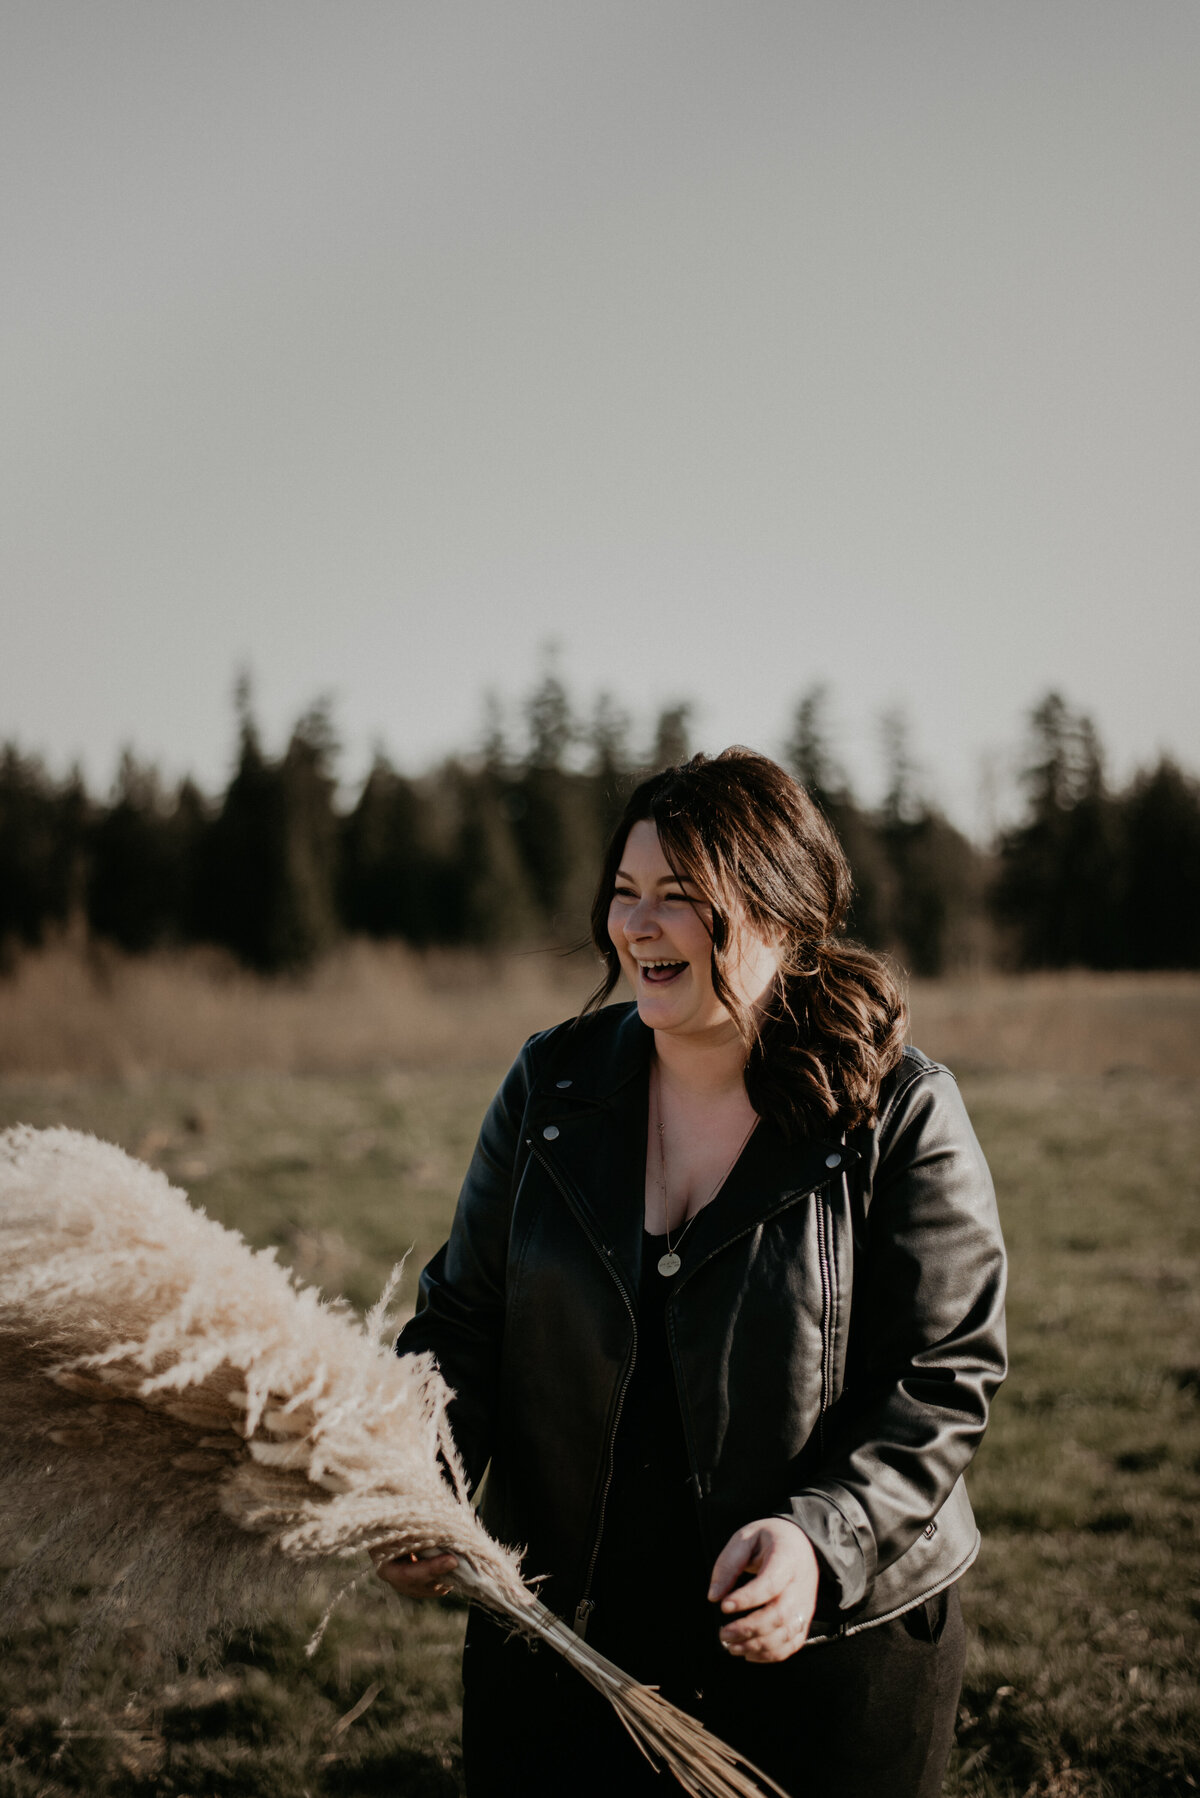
583,1612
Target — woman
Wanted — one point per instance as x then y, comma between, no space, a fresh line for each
722,1309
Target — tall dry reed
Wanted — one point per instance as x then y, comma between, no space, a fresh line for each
192,1429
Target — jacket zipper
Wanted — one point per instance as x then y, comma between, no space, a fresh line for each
586,1605
792,1199
698,1484
824,1260
695,1480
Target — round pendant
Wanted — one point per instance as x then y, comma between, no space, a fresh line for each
669,1264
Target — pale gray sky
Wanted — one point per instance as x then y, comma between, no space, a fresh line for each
734,346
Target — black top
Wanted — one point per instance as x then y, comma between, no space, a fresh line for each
651,1579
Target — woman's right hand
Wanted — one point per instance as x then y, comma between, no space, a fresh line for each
413,1575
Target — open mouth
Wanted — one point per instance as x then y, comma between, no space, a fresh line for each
661,973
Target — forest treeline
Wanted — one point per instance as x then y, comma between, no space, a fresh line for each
501,847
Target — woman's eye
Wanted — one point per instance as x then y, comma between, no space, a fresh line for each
624,893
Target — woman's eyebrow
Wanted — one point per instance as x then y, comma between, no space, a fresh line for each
664,880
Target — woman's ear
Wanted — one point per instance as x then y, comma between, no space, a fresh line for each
775,936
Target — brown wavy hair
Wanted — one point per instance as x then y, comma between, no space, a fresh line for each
756,847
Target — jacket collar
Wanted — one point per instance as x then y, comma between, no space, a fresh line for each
596,1055
594,1097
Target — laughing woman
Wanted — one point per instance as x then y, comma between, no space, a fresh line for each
722,1306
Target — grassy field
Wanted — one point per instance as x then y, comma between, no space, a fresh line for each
1084,1669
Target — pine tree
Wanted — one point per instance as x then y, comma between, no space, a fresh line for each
807,752
1058,888
389,870
190,825
495,904
306,919
611,765
268,876
553,816
137,879
242,853
44,831
672,744
939,881
809,755
1161,909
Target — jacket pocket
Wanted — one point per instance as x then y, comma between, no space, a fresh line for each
925,1622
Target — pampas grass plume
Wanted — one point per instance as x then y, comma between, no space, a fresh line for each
191,1429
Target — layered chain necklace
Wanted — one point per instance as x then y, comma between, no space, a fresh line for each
670,1263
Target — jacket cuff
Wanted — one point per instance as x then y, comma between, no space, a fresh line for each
843,1544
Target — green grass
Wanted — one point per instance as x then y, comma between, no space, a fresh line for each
1084,1668
1084,1675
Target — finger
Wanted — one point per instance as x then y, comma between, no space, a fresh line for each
732,1561
413,1582
768,1584
747,1628
760,1626
781,1619
388,1557
409,1587
775,1642
772,1656
428,1576
417,1578
791,1636
780,1647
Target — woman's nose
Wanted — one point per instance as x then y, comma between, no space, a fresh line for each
641,921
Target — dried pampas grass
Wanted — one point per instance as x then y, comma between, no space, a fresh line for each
190,1428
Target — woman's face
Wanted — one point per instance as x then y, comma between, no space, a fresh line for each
662,933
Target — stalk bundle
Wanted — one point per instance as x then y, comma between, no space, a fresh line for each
189,1425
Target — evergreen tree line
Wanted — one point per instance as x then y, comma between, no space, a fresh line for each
501,848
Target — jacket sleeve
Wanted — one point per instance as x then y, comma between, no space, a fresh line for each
461,1299
927,1341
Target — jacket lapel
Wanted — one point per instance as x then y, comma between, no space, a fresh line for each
595,1098
770,1174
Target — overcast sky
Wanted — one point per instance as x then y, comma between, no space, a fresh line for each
731,346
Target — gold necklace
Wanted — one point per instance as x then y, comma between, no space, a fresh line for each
670,1263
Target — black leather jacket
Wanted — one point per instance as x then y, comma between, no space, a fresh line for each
836,1329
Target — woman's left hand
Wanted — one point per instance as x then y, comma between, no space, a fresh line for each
773,1610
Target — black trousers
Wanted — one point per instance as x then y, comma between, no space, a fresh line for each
869,1716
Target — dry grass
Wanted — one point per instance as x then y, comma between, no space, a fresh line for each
373,1006
1083,1677
332,1116
1068,1024
195,1012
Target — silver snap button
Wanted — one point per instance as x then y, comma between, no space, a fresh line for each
833,1161
550,1132
562,1085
